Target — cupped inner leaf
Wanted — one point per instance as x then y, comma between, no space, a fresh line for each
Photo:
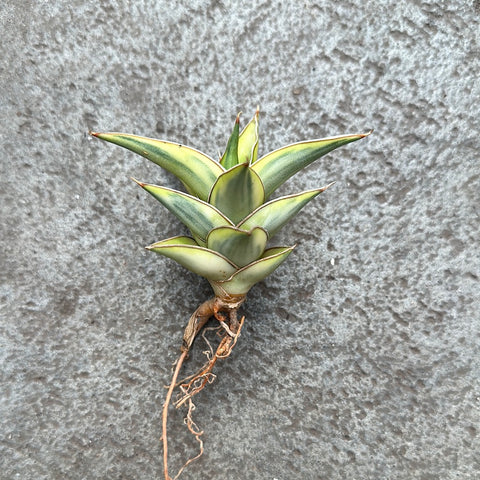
237,192
230,157
197,171
199,260
241,281
248,142
275,214
198,216
239,246
278,166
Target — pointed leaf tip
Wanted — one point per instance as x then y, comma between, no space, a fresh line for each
230,157
141,184
277,166
194,169
248,142
275,214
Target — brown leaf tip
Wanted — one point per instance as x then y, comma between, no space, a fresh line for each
142,184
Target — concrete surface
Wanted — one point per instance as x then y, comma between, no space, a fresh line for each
360,356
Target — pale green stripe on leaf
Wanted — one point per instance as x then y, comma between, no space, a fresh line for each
178,240
230,157
237,192
275,214
239,246
243,280
198,216
197,171
278,166
248,142
199,260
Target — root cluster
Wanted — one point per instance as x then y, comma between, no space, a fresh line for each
225,312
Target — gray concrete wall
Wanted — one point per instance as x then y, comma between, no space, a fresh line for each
360,356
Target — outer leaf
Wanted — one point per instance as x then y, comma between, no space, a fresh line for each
199,260
276,213
239,246
278,166
248,141
194,169
230,157
198,216
243,280
237,192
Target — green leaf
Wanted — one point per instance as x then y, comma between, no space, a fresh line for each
199,260
244,279
275,214
237,192
239,246
198,216
278,166
248,142
194,169
230,157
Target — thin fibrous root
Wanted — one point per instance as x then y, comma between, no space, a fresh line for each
208,353
205,376
165,413
196,432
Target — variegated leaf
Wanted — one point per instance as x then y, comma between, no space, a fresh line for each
197,171
278,166
237,192
230,157
248,142
237,245
245,278
198,216
199,260
276,213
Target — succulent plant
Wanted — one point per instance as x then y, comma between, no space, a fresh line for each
227,209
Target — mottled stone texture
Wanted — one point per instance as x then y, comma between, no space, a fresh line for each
360,356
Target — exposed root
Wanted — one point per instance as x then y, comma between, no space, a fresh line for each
205,376
196,432
225,311
165,413
225,327
208,353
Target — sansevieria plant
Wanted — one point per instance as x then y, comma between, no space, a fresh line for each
228,210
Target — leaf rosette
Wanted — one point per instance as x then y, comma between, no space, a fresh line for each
226,206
